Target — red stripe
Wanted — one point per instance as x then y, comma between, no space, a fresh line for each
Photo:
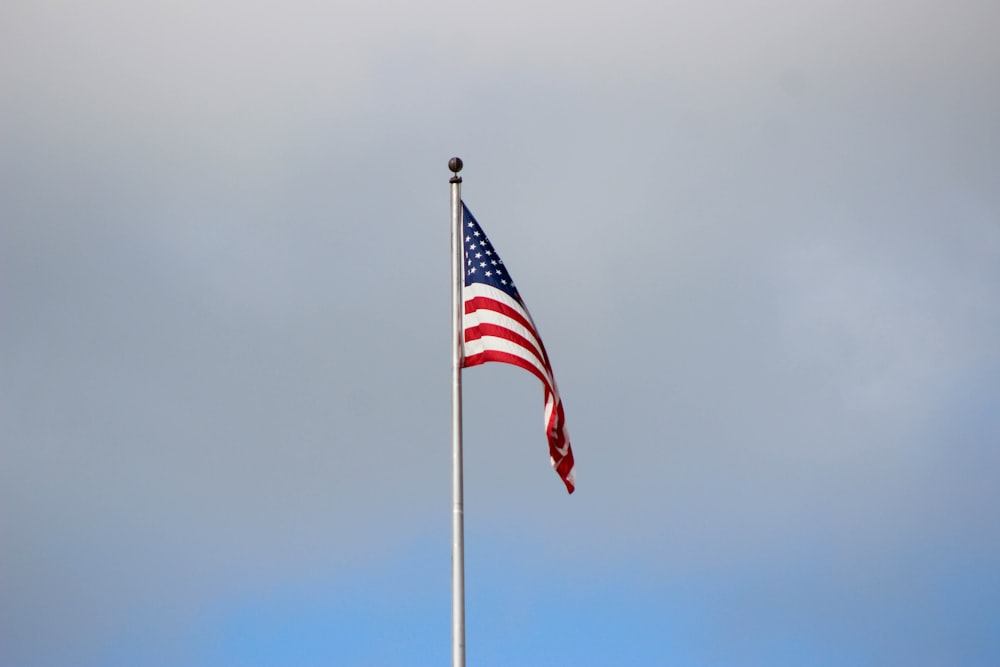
557,440
487,329
486,303
564,468
505,358
520,316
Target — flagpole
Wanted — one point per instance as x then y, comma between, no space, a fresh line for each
458,511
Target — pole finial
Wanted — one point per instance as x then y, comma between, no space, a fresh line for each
455,164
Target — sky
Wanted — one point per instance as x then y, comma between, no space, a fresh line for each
761,241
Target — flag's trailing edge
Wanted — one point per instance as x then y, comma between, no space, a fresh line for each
497,327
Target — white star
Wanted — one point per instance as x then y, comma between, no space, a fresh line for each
476,233
482,263
488,274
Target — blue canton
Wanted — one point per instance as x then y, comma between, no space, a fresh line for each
482,263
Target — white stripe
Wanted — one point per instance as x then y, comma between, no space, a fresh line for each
490,292
550,406
486,316
554,390
503,345
473,347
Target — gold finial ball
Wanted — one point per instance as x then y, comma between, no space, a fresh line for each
455,164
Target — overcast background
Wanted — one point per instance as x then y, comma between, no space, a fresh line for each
762,243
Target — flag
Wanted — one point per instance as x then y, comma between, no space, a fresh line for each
497,327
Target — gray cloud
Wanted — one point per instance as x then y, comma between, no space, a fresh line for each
761,244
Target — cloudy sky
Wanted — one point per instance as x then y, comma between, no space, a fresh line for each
762,243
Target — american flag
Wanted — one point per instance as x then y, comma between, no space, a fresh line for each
498,328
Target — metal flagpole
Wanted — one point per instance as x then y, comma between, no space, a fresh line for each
458,511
